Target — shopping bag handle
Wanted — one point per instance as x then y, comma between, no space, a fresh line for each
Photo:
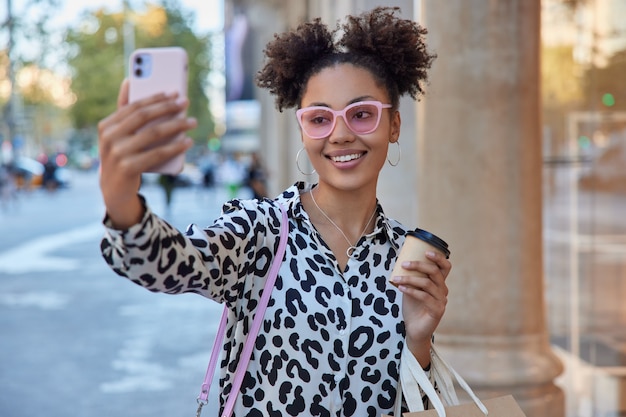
413,377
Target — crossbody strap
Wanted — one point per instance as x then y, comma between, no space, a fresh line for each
254,330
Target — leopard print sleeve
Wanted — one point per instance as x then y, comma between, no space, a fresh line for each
212,261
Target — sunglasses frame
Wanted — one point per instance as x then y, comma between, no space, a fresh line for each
379,105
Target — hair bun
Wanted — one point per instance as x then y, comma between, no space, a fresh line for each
391,48
289,57
398,43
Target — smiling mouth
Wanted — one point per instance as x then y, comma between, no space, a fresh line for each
346,158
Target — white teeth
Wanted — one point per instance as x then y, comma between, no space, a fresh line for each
346,158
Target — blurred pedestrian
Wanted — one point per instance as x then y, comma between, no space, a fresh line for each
8,188
49,179
335,328
168,184
206,165
208,176
256,179
231,174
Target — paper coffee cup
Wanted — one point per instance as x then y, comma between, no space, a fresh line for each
416,243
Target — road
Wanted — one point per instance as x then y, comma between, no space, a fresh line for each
76,339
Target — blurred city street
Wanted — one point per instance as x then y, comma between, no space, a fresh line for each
511,86
77,340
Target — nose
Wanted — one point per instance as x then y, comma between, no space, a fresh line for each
341,132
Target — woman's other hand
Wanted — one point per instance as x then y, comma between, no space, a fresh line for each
424,302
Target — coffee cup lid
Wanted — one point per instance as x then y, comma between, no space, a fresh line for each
432,239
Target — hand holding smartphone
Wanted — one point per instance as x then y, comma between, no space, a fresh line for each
156,70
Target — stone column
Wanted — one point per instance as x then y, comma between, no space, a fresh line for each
479,187
279,134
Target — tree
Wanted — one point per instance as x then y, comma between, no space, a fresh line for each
28,27
605,86
574,4
561,77
96,58
561,90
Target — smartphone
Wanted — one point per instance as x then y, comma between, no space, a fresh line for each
155,70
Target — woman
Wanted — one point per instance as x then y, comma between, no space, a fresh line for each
335,328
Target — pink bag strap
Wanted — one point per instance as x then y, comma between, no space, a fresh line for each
254,330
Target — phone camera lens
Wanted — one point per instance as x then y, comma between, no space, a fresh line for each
138,72
139,60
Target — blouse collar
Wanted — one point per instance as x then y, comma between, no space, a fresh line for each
291,199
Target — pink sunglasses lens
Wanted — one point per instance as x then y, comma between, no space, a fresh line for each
319,122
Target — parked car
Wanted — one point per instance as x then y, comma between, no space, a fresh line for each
28,173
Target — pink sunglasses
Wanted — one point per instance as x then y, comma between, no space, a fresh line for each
361,118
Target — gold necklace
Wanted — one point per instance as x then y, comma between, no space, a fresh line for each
351,247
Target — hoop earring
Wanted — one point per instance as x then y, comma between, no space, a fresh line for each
298,164
399,155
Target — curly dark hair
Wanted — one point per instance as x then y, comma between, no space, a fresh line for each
390,48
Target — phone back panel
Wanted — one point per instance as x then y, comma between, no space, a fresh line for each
155,70
161,70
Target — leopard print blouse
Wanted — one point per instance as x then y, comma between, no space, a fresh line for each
331,340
